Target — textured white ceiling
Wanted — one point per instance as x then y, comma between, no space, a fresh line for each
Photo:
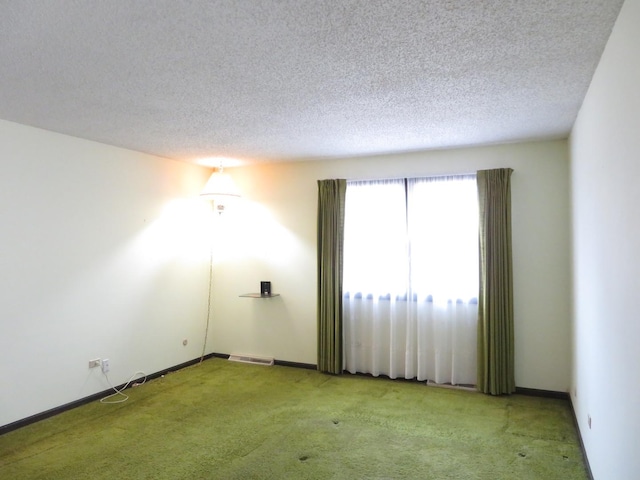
264,80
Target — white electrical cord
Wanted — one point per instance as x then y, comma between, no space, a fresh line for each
206,331
119,392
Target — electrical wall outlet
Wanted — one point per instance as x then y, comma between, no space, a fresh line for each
94,363
105,365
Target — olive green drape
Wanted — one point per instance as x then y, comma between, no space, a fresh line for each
495,301
331,198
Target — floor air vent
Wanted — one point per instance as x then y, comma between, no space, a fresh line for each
251,359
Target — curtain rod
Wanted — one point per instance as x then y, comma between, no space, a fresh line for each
418,176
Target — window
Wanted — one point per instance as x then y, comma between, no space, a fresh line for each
410,278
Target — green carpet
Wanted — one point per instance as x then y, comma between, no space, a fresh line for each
225,420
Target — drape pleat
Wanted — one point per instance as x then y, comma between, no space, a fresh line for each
495,302
331,201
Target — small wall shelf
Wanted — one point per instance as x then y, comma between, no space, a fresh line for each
259,295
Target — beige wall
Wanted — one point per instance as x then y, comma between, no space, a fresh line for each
605,170
271,235
103,254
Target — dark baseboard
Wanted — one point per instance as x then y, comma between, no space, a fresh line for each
91,398
281,363
309,366
584,452
220,355
534,392
284,363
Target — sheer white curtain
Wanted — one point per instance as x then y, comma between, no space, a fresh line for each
411,278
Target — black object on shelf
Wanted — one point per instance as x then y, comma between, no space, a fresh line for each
265,292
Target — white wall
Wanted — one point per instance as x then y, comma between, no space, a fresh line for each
605,171
103,254
271,235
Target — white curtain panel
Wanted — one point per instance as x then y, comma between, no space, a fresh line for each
411,278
